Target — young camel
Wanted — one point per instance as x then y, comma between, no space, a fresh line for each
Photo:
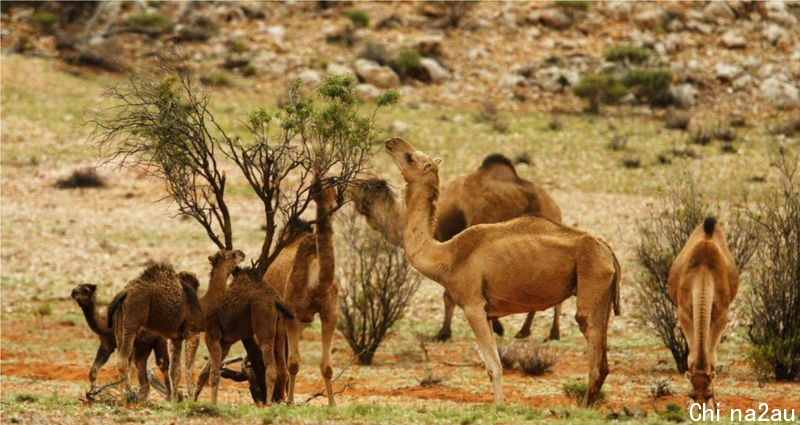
491,194
157,301
146,342
305,274
518,266
703,281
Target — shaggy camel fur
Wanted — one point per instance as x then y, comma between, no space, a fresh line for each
703,281
518,266
305,273
146,342
157,301
491,194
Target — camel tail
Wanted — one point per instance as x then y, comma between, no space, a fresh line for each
702,301
284,309
116,304
709,224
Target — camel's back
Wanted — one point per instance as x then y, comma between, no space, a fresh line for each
710,253
159,287
278,272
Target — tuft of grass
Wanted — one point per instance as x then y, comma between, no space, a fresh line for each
627,53
676,120
148,23
358,17
216,78
237,45
581,5
201,28
408,64
700,136
249,70
599,89
575,390
85,177
555,124
618,142
45,22
632,161
43,310
650,85
202,410
660,388
672,413
537,361
26,398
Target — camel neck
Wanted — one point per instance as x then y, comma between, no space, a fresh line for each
389,222
423,250
216,289
96,321
325,253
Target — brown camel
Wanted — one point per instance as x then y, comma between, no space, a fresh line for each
517,266
157,301
146,342
305,273
703,281
491,194
248,310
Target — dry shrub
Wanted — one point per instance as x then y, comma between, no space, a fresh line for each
533,359
676,120
662,238
660,388
575,390
773,296
376,286
85,177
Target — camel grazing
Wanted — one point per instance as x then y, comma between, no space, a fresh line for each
517,266
305,273
146,342
157,301
248,310
491,194
703,281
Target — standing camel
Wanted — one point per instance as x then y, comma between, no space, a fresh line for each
159,302
491,194
518,266
703,281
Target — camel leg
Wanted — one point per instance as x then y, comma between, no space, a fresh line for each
191,351
718,324
685,320
202,380
175,347
216,353
257,382
476,316
555,329
593,310
141,373
266,342
282,381
100,359
328,327
293,336
162,360
525,330
124,352
449,307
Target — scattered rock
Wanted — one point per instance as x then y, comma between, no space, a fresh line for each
432,45
718,10
555,79
367,92
673,42
776,35
776,12
726,72
653,17
779,92
700,27
311,77
436,71
277,33
377,75
742,82
553,18
733,40
684,94
335,68
513,80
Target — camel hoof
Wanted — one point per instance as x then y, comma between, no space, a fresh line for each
554,336
523,333
442,336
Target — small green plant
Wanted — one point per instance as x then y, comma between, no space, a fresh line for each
26,398
358,17
575,390
672,413
237,45
599,89
44,21
249,70
582,5
149,23
216,78
650,85
408,64
627,53
43,310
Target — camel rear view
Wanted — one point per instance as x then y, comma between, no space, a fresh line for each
703,280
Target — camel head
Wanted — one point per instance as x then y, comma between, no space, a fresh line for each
226,259
702,386
84,293
371,195
413,164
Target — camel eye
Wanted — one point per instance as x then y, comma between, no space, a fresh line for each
409,159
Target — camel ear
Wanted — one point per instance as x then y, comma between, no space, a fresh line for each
92,287
438,161
212,258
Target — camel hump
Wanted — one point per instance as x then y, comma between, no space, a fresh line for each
706,253
154,271
709,224
501,167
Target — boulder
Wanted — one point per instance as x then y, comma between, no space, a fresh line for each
733,40
742,82
778,91
553,18
684,94
335,68
776,35
555,79
377,75
311,77
726,72
513,80
367,92
718,10
436,71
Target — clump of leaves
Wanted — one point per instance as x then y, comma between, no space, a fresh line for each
85,177
575,390
650,85
358,17
627,53
148,23
45,22
599,89
216,78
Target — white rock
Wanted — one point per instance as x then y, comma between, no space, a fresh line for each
651,18
335,68
777,12
477,53
733,40
437,72
718,10
742,82
684,94
699,27
377,75
367,92
776,35
767,70
726,72
311,77
673,42
554,79
513,80
778,92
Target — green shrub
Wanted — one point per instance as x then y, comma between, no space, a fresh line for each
407,63
44,21
216,79
575,390
359,17
626,53
650,85
672,413
599,89
249,70
572,4
152,24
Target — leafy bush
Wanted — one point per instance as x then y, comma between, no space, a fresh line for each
650,85
627,53
773,296
662,238
358,17
673,413
85,177
582,5
44,21
599,89
407,63
377,285
575,390
148,23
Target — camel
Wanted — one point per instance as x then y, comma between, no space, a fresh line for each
703,280
248,310
493,193
146,342
157,301
305,273
517,266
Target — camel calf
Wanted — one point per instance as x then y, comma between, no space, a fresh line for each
703,281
